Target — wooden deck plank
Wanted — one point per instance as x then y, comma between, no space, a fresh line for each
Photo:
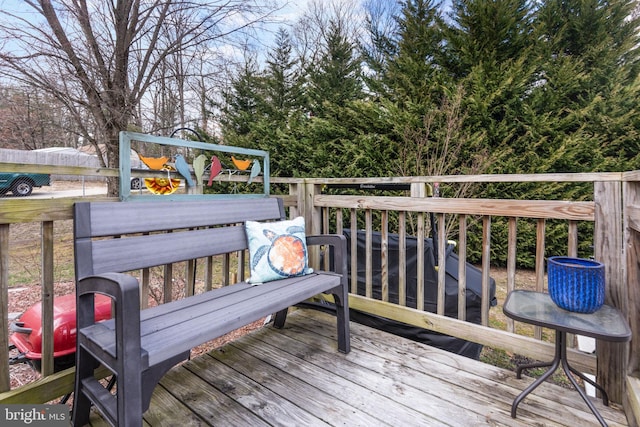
211,405
339,402
256,397
302,394
167,410
496,384
295,376
422,392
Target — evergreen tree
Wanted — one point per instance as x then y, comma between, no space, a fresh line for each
243,102
488,51
262,105
281,83
486,34
336,79
381,26
334,84
282,80
590,63
412,75
420,101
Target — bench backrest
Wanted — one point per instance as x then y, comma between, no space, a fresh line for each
126,236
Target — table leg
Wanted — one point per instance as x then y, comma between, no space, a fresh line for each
521,368
567,370
605,396
560,357
553,366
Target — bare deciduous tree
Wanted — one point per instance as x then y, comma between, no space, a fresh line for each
311,29
100,58
31,119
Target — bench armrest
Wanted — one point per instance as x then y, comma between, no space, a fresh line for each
338,243
339,255
123,289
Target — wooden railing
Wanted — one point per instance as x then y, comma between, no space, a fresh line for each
608,210
614,211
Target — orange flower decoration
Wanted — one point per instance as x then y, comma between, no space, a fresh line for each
162,185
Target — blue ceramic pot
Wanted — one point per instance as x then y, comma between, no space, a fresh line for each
576,284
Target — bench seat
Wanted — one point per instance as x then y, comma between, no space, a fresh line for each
168,330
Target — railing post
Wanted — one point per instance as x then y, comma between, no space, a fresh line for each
419,189
631,205
608,249
312,216
296,189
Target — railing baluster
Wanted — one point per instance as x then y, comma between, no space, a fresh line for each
226,270
462,268
208,273
47,297
354,251
512,247
326,212
5,380
442,263
573,239
402,255
540,253
486,263
167,283
368,254
420,265
144,288
190,278
241,258
384,254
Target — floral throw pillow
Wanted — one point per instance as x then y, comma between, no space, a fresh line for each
277,250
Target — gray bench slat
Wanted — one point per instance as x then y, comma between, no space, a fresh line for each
101,219
158,249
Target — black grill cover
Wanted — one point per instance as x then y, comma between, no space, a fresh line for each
473,292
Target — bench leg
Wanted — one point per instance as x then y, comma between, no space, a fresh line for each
151,377
342,318
127,413
280,318
81,402
124,409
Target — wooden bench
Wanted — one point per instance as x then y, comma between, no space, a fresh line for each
140,346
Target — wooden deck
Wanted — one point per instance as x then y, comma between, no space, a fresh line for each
296,377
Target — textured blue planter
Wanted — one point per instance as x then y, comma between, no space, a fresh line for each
576,284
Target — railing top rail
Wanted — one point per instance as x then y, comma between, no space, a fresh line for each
487,178
552,209
57,169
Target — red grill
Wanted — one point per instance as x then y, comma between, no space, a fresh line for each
26,332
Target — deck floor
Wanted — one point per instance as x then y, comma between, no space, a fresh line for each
296,377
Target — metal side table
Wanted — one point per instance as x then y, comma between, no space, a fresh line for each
537,308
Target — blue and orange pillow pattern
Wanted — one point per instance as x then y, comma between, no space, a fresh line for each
277,250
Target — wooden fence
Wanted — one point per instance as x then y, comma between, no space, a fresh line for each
614,211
